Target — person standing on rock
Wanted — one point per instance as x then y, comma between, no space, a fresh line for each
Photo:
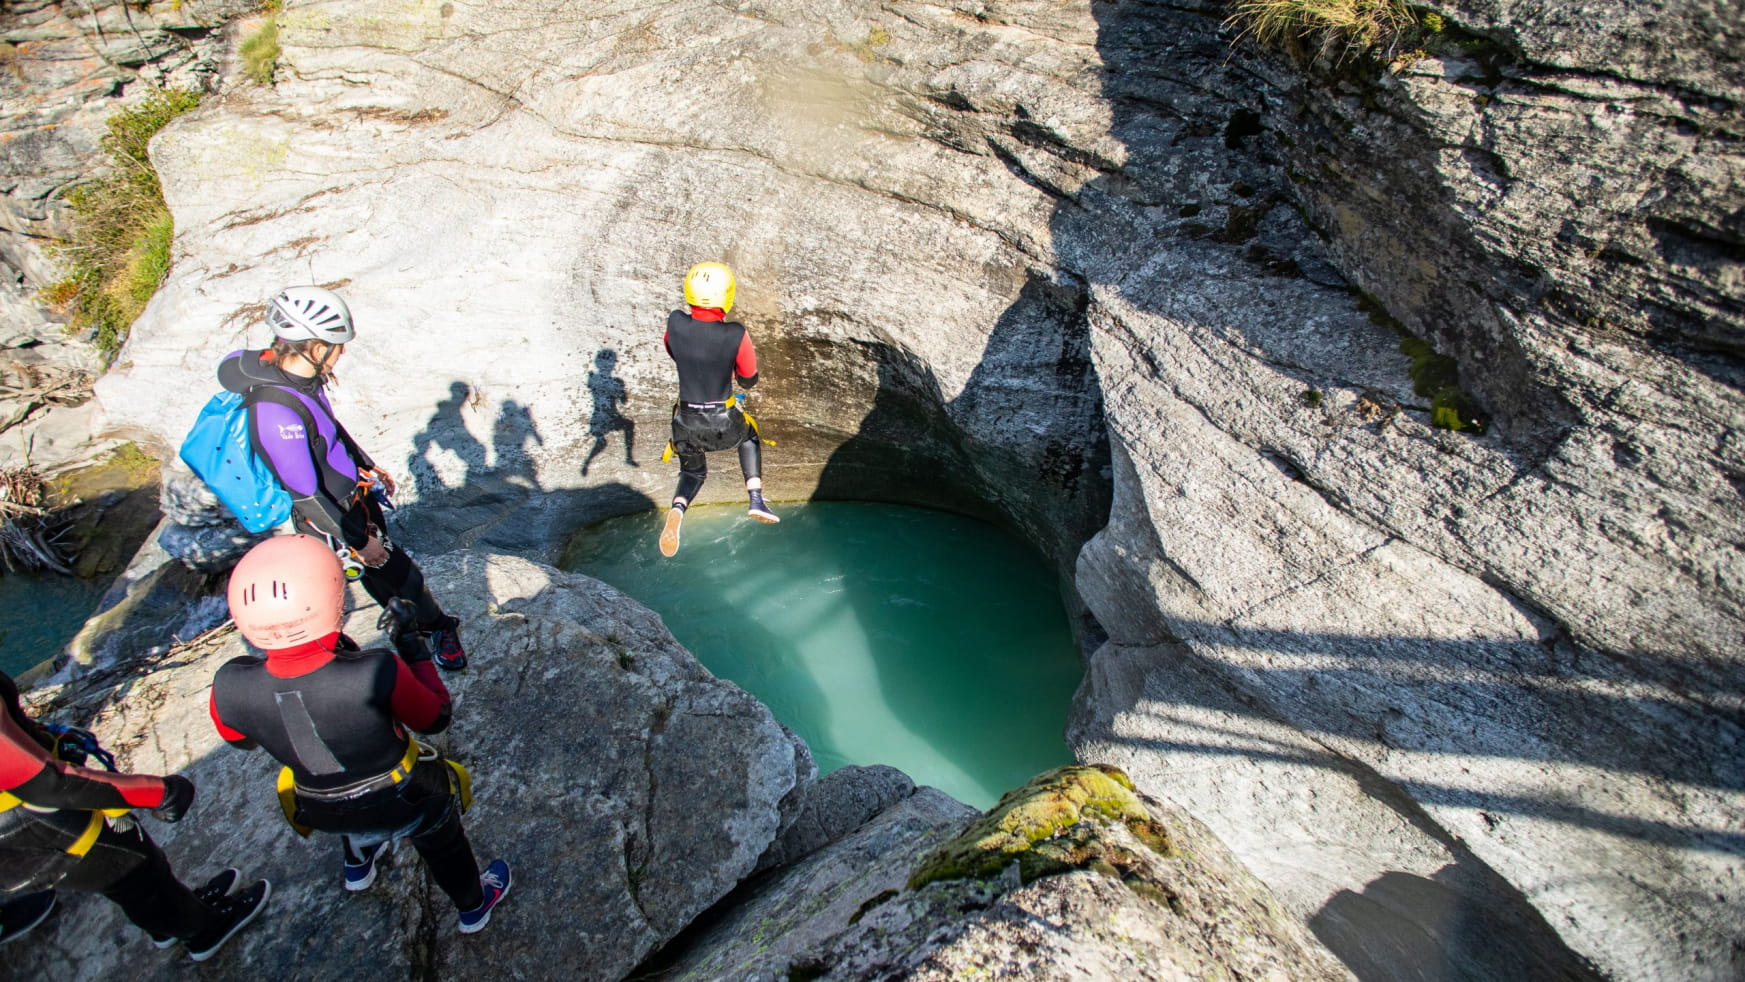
65,826
710,352
338,717
336,489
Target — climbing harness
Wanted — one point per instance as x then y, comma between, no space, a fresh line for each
80,741
460,782
736,399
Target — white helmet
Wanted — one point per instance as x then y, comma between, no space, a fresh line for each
309,313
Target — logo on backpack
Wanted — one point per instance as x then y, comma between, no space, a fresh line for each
291,432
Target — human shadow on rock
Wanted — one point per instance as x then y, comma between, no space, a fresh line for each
607,393
498,503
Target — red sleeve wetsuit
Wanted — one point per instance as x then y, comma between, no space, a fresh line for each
710,352
338,717
30,772
333,714
37,843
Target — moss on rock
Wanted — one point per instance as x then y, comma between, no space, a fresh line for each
1056,823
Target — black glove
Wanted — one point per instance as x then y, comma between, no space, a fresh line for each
399,621
178,795
399,617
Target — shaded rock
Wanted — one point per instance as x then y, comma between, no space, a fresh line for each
155,602
1071,877
628,788
843,801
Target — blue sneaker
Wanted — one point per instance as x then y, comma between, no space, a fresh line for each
495,882
360,864
759,510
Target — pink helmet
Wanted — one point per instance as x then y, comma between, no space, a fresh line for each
289,590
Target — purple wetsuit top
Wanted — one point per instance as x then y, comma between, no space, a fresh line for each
320,469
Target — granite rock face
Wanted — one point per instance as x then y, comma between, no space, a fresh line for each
628,788
64,68
1465,700
509,221
1130,891
1512,657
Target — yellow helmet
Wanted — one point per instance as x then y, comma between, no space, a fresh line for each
710,285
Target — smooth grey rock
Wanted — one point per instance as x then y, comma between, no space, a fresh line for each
628,788
793,913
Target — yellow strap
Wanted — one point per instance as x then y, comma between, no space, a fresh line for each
666,456
408,760
288,801
86,840
464,778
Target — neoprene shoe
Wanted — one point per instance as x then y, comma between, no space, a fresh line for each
495,882
208,893
17,917
360,865
234,914
760,511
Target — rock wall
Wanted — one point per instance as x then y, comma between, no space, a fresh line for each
62,67
1072,876
628,788
1466,702
1452,674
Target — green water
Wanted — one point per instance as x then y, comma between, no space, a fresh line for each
880,634
40,614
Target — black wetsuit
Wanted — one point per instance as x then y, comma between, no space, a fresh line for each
293,429
124,865
710,354
338,717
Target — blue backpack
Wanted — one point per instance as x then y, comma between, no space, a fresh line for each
217,449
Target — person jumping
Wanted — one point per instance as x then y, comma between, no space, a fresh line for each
710,352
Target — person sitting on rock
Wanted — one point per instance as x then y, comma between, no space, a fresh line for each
333,484
65,826
337,717
710,352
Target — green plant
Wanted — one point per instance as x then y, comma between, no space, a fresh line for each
260,50
1438,377
119,247
260,53
1336,23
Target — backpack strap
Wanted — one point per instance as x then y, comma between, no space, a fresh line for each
281,396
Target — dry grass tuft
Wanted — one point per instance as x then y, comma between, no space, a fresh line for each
1330,25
